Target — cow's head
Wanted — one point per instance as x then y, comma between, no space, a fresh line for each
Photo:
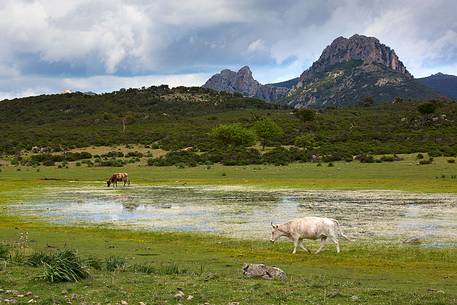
108,182
276,233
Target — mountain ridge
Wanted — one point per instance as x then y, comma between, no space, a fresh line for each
445,84
348,71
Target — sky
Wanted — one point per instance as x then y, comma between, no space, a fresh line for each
48,46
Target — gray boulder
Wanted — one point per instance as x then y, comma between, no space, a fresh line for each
263,271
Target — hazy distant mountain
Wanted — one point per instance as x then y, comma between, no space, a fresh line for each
287,84
243,82
350,70
443,83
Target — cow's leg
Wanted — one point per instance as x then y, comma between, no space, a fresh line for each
323,242
303,247
337,243
296,242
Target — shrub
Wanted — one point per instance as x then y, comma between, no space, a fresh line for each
176,157
148,269
233,135
65,266
172,269
112,163
267,130
38,259
278,156
241,156
305,141
94,263
366,159
425,162
115,263
387,159
4,251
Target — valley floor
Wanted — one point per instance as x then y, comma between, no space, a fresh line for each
208,267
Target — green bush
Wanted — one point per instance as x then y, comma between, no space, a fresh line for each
267,130
115,263
94,263
112,163
241,156
38,259
65,266
4,251
366,159
233,135
148,269
425,162
387,159
185,158
305,141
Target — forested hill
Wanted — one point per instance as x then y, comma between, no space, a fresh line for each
124,116
131,104
181,117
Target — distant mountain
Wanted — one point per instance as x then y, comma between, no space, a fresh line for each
350,70
443,83
243,82
287,84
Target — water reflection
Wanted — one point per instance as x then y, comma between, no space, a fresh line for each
247,213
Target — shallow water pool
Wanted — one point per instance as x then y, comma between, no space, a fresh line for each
246,213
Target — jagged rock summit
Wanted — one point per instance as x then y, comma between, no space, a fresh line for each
351,69
244,83
358,47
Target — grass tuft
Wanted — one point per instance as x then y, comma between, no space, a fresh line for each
115,263
65,266
38,259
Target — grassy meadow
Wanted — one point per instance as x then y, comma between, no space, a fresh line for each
404,175
208,268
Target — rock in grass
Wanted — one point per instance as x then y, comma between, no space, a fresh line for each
263,271
412,240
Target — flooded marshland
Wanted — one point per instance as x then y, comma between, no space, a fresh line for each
247,213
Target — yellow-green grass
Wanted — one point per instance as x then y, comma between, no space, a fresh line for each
364,273
403,175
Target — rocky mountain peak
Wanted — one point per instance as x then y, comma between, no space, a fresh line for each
358,48
244,83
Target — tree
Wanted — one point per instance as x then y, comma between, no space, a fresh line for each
305,140
427,108
305,115
267,130
398,100
367,101
233,135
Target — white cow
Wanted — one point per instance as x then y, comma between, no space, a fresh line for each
309,228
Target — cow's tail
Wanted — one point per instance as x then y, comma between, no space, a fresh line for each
340,232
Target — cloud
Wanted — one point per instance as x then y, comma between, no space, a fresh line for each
46,41
98,84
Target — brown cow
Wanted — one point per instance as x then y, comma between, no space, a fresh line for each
118,177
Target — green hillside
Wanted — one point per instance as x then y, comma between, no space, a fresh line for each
176,118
